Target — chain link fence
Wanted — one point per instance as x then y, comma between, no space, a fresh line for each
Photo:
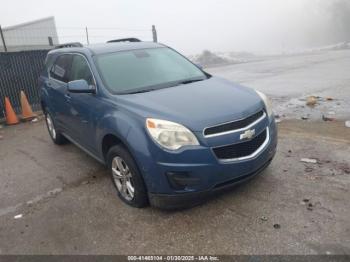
20,71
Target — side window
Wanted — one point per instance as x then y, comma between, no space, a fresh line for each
81,70
60,69
48,64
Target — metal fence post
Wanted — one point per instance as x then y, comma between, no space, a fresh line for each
3,39
87,35
154,33
50,41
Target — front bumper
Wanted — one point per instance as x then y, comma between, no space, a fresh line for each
203,173
213,176
185,200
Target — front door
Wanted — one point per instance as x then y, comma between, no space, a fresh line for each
81,105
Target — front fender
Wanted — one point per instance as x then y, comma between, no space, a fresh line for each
130,130
114,123
145,153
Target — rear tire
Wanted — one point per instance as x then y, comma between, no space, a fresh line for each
55,135
126,177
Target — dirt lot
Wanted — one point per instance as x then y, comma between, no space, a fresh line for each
69,204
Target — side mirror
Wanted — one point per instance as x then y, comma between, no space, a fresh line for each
80,86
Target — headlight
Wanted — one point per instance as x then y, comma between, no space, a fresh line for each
170,135
266,101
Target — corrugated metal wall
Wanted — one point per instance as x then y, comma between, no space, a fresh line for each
32,35
20,71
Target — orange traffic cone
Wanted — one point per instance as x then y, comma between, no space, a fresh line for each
27,112
11,117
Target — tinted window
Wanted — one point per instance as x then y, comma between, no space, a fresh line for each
127,71
81,70
60,69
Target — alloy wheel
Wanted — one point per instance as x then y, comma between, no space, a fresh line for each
122,178
50,126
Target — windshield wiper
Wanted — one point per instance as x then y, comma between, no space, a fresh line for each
140,91
183,82
190,81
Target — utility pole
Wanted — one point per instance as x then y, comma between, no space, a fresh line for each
3,39
154,34
87,35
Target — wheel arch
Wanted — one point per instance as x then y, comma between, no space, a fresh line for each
109,140
119,128
43,106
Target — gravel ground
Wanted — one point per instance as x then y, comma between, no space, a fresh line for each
69,205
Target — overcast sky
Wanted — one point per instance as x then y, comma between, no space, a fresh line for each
193,25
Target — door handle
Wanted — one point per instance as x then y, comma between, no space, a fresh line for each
48,83
68,97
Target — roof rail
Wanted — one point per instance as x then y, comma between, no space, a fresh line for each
132,39
73,44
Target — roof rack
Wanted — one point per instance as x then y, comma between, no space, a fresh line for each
73,44
132,39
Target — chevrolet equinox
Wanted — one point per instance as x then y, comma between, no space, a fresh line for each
170,133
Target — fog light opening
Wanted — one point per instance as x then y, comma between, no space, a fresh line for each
181,180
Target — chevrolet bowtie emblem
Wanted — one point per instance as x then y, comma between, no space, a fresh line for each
248,134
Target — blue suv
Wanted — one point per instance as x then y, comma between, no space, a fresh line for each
170,133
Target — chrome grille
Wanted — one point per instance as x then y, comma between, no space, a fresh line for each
244,149
234,125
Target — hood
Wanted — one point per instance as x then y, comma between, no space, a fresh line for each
196,105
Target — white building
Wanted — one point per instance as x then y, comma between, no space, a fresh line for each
30,36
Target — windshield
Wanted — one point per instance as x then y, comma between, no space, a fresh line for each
145,70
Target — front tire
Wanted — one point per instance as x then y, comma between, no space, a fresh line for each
126,177
55,135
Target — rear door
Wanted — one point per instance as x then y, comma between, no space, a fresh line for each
57,89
